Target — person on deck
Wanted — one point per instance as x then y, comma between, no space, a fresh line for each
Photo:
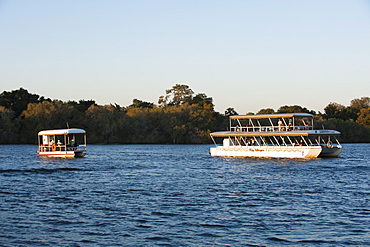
280,124
290,124
72,142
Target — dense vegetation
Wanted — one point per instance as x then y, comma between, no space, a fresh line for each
181,116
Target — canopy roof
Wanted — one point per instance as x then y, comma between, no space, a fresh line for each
276,133
281,115
61,132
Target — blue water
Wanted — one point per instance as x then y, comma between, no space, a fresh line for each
177,195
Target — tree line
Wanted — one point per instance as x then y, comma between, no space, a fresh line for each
180,116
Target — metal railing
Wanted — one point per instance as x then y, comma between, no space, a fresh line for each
270,128
59,148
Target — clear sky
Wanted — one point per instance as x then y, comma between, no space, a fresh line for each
245,54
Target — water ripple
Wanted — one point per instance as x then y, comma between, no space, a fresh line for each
177,195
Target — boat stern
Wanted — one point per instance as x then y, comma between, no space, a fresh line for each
331,152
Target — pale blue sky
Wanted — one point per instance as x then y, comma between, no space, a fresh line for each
244,54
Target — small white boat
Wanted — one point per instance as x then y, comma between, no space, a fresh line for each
63,143
289,135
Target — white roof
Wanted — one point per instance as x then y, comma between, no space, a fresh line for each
62,132
261,116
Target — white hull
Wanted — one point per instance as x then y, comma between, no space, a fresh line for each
63,154
267,151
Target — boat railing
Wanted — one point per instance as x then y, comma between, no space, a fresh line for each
270,128
60,147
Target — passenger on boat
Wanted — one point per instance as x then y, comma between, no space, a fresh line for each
290,124
251,142
51,143
280,123
72,142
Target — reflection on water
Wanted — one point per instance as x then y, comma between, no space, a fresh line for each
178,195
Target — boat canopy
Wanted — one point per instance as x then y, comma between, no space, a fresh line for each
269,133
61,132
281,115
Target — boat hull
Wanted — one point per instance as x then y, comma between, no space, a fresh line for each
331,151
63,154
267,151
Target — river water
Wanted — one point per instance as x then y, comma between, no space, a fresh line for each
177,195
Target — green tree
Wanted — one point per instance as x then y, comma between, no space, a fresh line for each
8,130
332,110
202,99
186,123
350,131
348,113
230,112
266,111
335,110
364,117
294,109
17,100
141,104
47,115
177,95
106,124
362,103
157,118
201,121
141,125
82,105
172,124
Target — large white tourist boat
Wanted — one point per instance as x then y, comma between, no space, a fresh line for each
288,135
64,143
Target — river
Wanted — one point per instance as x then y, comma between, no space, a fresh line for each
178,195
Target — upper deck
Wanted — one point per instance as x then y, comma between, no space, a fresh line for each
275,133
271,122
